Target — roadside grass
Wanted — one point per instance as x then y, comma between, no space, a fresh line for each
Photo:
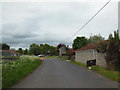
79,63
113,75
56,57
14,71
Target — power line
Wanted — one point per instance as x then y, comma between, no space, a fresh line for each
91,18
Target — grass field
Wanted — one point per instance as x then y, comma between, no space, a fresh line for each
14,71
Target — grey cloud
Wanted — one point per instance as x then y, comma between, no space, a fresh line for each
51,23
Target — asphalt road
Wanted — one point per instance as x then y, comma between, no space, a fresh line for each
55,73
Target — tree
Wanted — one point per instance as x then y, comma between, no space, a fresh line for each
102,46
54,51
112,55
34,49
113,52
25,52
4,47
95,38
117,37
44,49
79,42
110,37
20,50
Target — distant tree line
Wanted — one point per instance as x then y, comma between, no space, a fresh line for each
34,49
44,49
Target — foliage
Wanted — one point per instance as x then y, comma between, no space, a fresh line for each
62,58
4,47
95,38
114,75
117,37
20,50
14,71
110,37
112,53
25,52
44,49
48,50
102,46
79,63
79,42
34,49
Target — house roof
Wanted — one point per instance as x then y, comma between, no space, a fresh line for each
91,46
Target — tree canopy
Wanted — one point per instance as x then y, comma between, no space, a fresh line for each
20,50
95,38
34,49
25,52
4,47
44,49
79,42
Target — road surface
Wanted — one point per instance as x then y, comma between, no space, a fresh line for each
56,73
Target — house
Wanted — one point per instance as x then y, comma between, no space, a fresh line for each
9,53
62,50
67,52
89,52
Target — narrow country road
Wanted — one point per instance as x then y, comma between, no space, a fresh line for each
55,73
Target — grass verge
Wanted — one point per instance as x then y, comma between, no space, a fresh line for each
56,57
113,75
14,71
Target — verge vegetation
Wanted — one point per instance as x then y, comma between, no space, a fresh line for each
14,71
56,57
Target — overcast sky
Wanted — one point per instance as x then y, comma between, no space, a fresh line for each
53,22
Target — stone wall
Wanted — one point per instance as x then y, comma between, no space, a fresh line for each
85,55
